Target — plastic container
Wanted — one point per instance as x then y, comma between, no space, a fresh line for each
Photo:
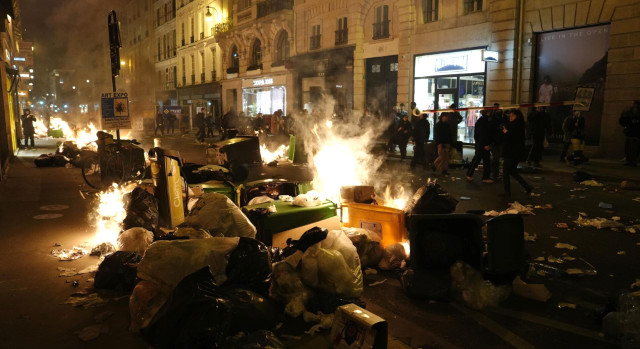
386,221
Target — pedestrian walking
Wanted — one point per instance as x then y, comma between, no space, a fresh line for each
454,119
159,125
395,118
538,121
171,122
415,115
577,139
483,135
630,120
403,133
497,121
200,123
443,138
513,150
27,128
210,123
421,134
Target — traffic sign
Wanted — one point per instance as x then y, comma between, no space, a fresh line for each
115,110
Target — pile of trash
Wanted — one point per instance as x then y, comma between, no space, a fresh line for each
67,153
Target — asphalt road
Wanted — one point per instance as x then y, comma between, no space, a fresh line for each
32,294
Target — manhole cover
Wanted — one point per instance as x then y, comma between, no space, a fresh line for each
47,216
54,207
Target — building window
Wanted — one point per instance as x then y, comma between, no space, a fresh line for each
256,55
381,24
314,40
193,69
235,61
429,11
472,6
282,48
182,31
244,4
342,33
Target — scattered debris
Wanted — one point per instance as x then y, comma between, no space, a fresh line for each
103,249
529,237
378,282
562,225
566,305
592,183
69,255
67,272
636,199
620,253
635,284
86,301
92,332
465,198
47,216
598,222
323,321
54,207
543,207
537,292
605,205
514,208
615,218
565,246
553,237
370,271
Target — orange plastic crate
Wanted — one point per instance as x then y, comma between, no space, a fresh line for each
386,221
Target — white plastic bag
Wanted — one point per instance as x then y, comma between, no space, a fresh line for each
259,200
333,266
135,240
311,198
219,215
166,263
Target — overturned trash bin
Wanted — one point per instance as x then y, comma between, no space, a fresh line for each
165,169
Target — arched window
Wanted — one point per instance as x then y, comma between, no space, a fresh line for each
256,55
235,61
282,48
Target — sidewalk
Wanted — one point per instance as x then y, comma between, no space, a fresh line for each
599,168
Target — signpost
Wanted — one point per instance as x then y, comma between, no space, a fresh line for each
115,110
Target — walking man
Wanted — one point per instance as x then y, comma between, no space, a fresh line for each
200,123
159,125
421,133
538,123
483,136
27,128
443,138
513,131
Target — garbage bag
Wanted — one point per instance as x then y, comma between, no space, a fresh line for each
392,257
249,266
118,270
333,266
431,199
200,314
50,160
260,339
469,287
427,283
308,238
142,210
168,262
287,287
367,245
219,215
191,233
135,240
145,301
581,176
195,316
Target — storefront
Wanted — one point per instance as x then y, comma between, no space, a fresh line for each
264,94
457,78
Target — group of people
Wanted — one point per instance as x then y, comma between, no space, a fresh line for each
166,124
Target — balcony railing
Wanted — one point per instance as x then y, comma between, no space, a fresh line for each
268,7
314,42
342,36
381,30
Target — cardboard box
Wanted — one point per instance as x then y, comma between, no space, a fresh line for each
354,327
386,221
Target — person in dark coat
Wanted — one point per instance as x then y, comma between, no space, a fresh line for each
497,120
171,123
539,121
403,133
513,135
421,133
27,128
210,122
443,138
200,123
159,125
483,136
229,121
454,119
577,139
630,120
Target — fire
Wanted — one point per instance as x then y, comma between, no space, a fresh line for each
407,248
40,128
268,156
395,201
84,137
110,213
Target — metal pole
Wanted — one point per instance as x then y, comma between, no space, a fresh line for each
114,49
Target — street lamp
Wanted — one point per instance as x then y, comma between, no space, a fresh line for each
209,16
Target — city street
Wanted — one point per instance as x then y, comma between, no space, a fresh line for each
32,294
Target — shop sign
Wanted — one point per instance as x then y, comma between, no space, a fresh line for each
451,63
263,82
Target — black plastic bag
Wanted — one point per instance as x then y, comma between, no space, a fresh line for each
196,316
118,271
50,160
431,199
249,266
200,314
142,210
308,239
581,176
259,340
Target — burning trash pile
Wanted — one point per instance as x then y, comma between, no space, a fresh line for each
79,144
